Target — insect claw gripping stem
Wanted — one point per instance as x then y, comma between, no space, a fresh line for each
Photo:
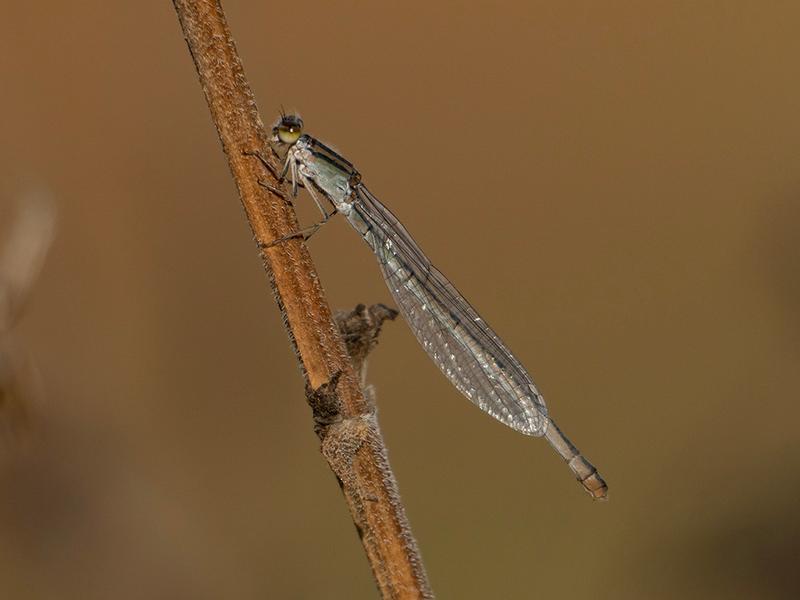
279,176
303,233
280,193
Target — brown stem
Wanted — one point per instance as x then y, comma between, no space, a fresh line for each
351,441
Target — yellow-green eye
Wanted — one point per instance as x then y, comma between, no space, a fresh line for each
289,135
289,129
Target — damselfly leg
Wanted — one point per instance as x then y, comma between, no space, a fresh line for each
306,233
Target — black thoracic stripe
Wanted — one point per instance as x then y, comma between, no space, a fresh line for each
320,150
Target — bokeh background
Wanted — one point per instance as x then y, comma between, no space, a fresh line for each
615,186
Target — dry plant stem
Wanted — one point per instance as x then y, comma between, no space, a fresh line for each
360,329
352,443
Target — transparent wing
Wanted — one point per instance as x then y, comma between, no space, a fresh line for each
461,344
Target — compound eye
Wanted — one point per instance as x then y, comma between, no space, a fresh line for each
290,129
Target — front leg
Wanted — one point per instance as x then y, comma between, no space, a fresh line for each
267,165
278,192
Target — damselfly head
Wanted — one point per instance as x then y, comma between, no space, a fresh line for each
288,129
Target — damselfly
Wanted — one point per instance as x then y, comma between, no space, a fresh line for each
456,338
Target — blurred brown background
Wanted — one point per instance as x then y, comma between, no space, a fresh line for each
615,186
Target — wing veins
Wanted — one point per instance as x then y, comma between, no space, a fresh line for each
517,395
